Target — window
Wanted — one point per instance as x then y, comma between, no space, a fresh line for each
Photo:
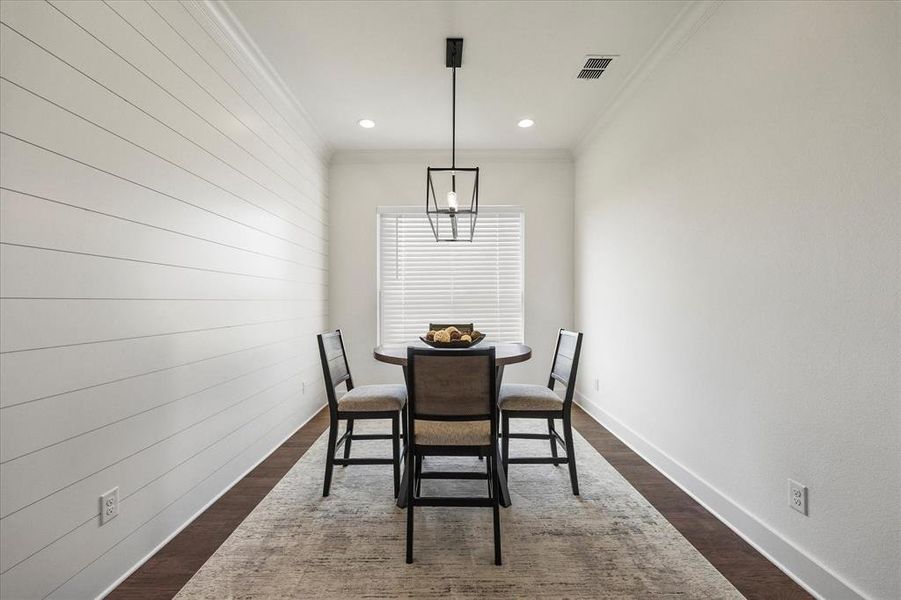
422,281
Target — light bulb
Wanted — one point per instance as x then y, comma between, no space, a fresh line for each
452,201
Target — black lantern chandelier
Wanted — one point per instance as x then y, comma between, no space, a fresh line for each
450,221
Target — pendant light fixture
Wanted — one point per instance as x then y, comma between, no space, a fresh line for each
452,221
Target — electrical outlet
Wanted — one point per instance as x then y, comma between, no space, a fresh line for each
797,496
597,384
109,505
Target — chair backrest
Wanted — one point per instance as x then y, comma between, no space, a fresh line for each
566,361
451,385
335,369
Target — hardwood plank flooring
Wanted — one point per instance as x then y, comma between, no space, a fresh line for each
163,575
744,567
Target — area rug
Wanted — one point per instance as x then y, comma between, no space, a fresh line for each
607,543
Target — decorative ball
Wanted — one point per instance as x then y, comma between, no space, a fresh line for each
455,335
442,336
452,329
474,334
430,335
465,338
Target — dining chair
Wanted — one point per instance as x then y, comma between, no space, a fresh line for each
452,411
522,401
359,403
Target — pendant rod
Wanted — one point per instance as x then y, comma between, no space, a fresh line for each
454,143
454,119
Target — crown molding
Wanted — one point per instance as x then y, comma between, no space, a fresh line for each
232,32
442,156
684,26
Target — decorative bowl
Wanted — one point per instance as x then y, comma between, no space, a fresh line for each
454,343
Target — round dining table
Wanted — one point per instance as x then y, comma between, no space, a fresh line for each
505,354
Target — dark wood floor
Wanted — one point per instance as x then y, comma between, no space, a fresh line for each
751,573
164,574
169,569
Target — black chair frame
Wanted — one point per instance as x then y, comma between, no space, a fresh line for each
397,418
415,452
564,414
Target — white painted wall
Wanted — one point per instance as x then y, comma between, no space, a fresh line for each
164,270
737,278
540,182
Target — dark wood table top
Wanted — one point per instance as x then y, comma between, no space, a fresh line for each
505,353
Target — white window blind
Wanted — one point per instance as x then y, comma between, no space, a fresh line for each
422,281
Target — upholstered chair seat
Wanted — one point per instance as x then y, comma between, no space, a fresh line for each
366,402
452,411
517,401
453,433
520,396
374,397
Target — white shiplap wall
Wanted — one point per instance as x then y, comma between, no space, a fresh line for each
164,270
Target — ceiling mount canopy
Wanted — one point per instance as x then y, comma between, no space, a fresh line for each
446,216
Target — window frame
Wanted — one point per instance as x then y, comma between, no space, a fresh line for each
483,209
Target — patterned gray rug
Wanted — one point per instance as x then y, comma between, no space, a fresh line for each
607,543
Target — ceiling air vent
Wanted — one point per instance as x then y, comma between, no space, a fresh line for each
594,65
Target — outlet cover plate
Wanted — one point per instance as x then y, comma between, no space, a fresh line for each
797,496
109,506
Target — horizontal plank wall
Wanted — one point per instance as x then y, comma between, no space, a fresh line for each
164,268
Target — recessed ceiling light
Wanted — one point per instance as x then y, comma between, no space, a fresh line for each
366,123
526,123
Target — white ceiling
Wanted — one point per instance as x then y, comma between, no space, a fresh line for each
384,61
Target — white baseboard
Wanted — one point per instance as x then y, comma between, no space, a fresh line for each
805,570
203,508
